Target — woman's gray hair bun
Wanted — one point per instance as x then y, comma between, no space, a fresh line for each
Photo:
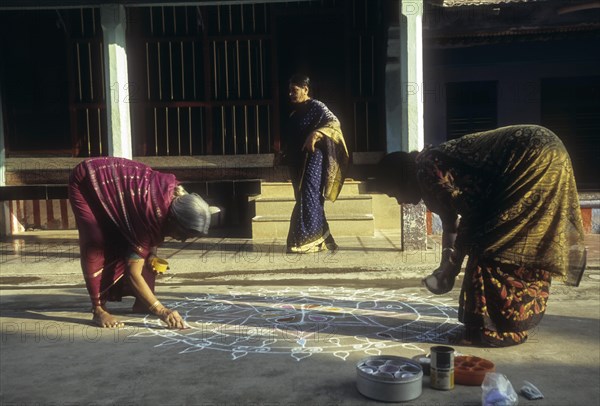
191,212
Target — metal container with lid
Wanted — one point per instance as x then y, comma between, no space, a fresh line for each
389,378
442,367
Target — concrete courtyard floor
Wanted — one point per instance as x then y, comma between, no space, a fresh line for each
266,328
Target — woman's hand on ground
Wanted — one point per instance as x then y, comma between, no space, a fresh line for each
172,318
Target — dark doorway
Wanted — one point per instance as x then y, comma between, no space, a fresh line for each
34,82
571,108
313,44
471,107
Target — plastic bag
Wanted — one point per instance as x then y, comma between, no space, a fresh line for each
497,391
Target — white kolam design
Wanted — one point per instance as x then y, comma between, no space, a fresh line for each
306,321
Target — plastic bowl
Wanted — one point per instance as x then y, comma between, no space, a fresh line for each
159,265
470,370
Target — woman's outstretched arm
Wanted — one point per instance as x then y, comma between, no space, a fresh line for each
143,292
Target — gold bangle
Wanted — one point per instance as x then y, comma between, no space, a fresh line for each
154,306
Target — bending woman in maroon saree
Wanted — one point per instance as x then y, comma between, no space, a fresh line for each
507,198
123,210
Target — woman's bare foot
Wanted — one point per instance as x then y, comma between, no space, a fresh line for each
104,319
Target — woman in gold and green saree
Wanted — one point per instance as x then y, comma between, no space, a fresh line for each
507,198
316,154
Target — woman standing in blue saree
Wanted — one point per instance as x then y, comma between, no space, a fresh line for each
317,157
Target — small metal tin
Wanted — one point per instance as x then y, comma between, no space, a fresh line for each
389,378
442,367
425,361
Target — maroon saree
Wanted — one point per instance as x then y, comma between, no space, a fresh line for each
120,207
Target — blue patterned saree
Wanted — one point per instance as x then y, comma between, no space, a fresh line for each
316,177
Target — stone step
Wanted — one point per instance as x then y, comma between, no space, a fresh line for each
349,205
284,189
341,226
